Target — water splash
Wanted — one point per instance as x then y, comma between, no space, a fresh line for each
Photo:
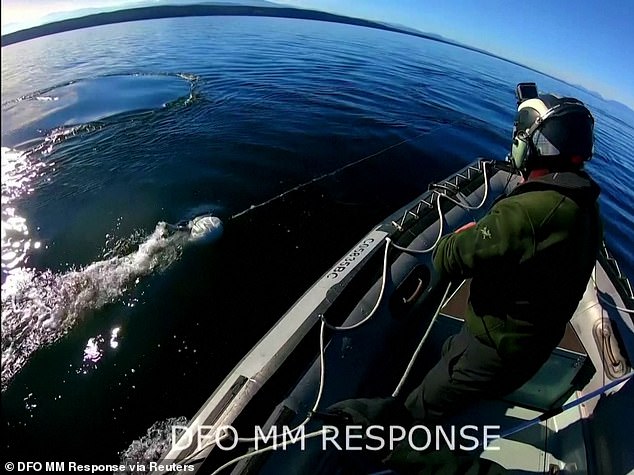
45,93
58,135
151,446
38,308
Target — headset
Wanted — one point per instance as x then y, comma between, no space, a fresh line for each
523,148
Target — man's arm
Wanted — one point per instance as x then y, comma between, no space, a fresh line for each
504,236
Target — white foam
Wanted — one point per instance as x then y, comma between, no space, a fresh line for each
38,308
149,448
205,228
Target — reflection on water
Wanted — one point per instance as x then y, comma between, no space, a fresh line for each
96,348
269,103
40,306
114,335
19,173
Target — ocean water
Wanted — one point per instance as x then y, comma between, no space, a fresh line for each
299,135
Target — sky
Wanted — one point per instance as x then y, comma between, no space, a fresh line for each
584,42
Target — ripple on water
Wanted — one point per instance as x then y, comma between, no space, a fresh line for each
86,101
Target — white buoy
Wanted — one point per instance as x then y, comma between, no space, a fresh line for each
205,228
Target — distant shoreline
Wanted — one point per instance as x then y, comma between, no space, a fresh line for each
175,11
178,11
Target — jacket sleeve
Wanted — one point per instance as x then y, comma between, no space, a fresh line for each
505,236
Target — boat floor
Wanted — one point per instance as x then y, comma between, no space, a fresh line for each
551,446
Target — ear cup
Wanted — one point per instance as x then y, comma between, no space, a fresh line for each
519,151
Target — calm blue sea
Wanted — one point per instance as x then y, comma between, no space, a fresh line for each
109,322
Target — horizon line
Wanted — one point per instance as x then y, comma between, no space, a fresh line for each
178,11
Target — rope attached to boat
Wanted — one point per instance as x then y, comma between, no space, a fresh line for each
389,243
548,414
609,304
348,165
414,357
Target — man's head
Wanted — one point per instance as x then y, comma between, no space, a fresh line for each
553,133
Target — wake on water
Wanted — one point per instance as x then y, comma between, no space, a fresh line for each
38,308
151,447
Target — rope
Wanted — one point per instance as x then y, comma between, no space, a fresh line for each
340,169
620,309
191,457
553,412
548,414
389,242
603,299
412,360
378,301
610,304
440,230
484,198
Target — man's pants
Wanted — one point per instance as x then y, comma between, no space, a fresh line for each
468,371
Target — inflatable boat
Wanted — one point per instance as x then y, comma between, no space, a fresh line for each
374,323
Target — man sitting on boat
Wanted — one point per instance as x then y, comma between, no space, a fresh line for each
529,259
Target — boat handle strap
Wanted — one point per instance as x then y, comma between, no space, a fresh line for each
419,289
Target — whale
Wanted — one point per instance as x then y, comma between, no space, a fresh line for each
205,229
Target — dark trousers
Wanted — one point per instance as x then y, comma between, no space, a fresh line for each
468,371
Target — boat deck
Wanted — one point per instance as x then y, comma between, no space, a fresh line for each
553,446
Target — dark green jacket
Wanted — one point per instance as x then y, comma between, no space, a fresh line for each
530,259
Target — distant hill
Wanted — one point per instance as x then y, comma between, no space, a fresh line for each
621,108
209,9
59,22
92,17
60,16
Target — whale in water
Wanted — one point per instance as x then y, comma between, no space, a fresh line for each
205,228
